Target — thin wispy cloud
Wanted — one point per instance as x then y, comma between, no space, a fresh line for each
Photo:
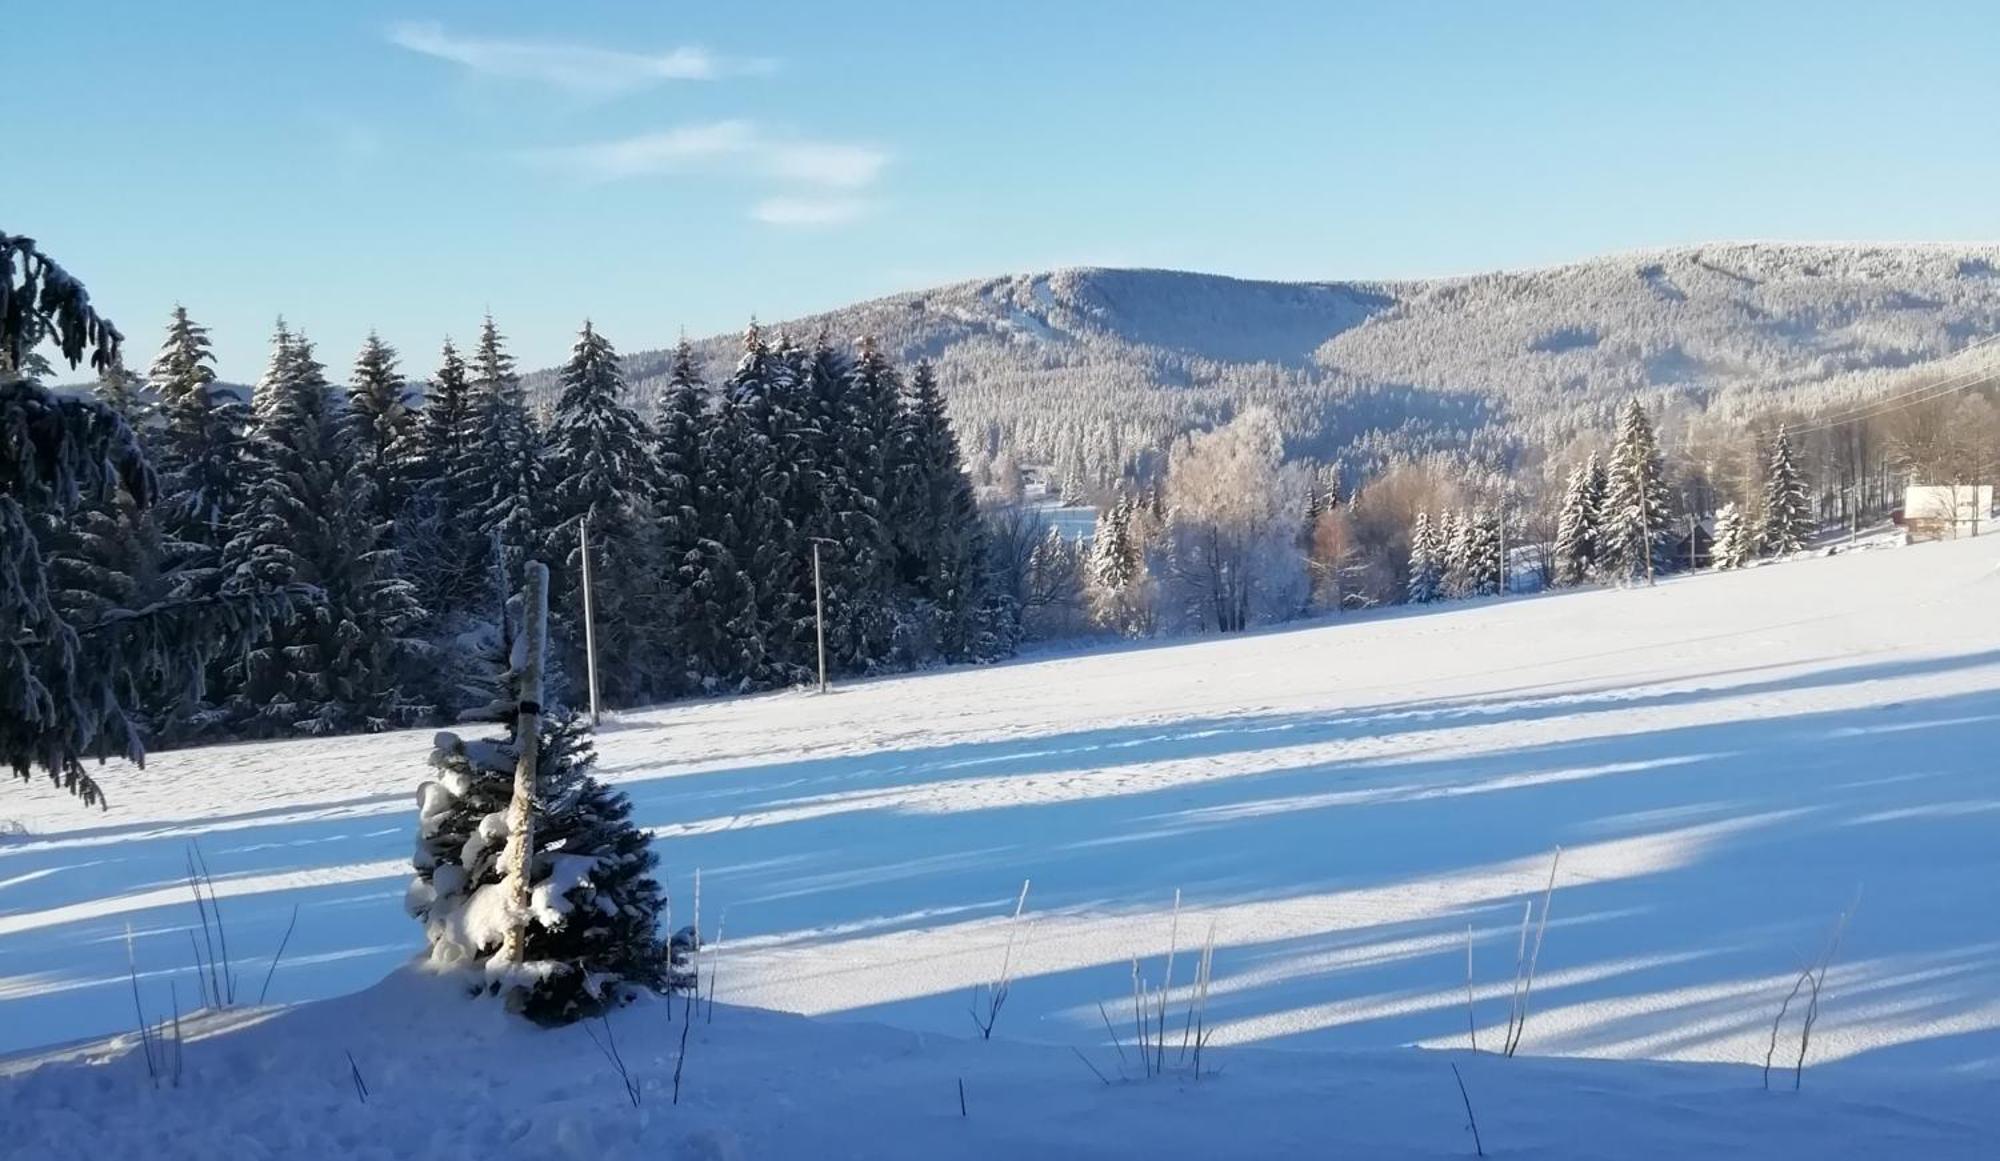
684,149
807,212
721,146
824,163
575,68
819,181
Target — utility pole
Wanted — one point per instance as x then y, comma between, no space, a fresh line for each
518,858
1506,574
589,619
819,616
1646,527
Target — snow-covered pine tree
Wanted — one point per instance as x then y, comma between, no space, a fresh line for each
686,640
767,626
200,448
1116,569
782,564
124,393
1788,519
70,691
592,935
867,437
1426,581
264,392
1597,497
1577,525
1482,544
106,556
1636,528
843,514
505,477
600,469
446,542
724,599
944,546
1455,555
1735,540
379,401
352,663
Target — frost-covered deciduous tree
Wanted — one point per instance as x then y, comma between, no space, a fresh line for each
1041,571
1232,531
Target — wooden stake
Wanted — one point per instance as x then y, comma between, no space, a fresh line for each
589,616
519,859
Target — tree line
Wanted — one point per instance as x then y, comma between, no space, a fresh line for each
1232,532
333,556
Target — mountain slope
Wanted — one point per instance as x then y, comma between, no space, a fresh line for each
1093,367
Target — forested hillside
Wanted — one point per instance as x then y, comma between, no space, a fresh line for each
1095,371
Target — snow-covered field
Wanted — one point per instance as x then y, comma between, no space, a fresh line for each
1726,761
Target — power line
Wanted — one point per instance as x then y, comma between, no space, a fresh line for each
1925,393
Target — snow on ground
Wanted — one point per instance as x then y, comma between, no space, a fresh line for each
1726,761
447,1078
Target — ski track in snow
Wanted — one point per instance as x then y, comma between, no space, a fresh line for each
1726,760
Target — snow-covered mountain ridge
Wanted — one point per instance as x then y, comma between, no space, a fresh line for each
1100,363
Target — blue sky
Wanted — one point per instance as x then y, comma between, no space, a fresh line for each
672,165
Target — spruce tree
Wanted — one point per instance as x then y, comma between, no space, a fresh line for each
1577,530
1114,567
1735,540
844,510
722,595
593,933
266,391
384,427
1483,566
687,640
944,543
767,624
71,690
1788,520
1636,527
1456,555
600,472
200,448
445,542
350,664
124,394
873,418
1426,568
504,480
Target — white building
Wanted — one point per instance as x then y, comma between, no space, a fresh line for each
1947,511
